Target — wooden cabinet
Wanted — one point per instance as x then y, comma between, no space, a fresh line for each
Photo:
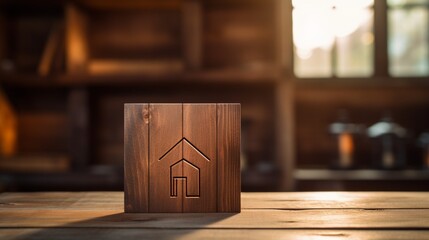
107,53
90,57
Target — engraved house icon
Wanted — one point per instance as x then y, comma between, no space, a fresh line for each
182,157
184,172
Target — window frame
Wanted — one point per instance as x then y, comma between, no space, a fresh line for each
380,76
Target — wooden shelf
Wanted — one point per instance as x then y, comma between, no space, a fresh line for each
227,76
334,82
94,178
35,163
360,175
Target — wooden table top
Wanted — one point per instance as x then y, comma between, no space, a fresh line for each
294,215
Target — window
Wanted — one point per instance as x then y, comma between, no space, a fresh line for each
333,38
408,34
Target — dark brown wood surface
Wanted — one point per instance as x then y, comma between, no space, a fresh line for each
136,168
229,125
165,126
294,215
200,130
183,144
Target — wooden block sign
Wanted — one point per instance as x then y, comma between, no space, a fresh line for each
182,157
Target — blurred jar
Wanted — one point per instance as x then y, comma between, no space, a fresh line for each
424,143
388,144
345,134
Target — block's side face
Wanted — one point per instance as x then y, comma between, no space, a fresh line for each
199,151
136,158
228,152
165,158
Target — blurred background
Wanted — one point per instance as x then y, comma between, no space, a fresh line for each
334,93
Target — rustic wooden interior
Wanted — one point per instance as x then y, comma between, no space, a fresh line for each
75,63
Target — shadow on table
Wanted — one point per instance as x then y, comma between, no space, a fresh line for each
132,226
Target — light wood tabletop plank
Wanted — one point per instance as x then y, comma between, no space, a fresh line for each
252,219
277,200
207,234
295,215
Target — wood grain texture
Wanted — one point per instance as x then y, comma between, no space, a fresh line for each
183,142
200,129
136,169
228,147
272,200
165,149
155,34
248,219
297,215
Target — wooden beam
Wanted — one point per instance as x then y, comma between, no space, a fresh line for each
285,147
192,27
79,136
285,135
284,41
381,58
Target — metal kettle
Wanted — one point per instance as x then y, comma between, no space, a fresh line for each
388,144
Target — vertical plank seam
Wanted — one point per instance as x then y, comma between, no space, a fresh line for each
183,125
148,155
217,160
125,161
239,158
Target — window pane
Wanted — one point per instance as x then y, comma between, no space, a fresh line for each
353,4
319,25
311,3
355,49
333,3
400,3
313,42
313,63
408,42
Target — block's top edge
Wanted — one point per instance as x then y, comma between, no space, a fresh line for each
179,103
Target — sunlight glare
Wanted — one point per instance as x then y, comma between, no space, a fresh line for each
330,196
316,23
